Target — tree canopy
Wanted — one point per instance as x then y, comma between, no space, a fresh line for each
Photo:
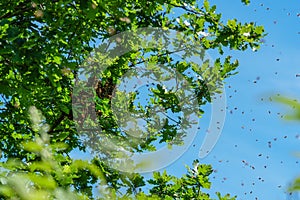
44,46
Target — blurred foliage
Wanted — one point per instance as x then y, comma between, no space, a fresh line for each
51,176
294,105
43,44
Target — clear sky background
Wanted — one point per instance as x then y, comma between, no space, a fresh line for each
254,158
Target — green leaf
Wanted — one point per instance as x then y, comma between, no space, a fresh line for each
206,5
43,181
32,147
246,2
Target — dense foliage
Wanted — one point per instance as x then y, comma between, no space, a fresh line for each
43,45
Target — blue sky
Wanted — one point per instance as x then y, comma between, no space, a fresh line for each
254,157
